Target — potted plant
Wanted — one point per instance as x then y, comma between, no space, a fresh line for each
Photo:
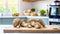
42,12
33,10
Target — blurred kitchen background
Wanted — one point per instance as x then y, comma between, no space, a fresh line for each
25,10
10,8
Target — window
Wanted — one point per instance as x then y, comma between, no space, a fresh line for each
2,6
8,7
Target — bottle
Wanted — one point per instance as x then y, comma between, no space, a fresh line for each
47,13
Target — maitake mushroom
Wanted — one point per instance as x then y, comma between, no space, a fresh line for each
16,23
24,23
33,23
42,23
36,23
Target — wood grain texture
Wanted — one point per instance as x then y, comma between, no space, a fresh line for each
31,0
32,31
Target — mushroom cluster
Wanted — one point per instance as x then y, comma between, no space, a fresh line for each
33,23
36,23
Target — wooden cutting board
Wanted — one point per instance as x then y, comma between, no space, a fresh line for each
43,30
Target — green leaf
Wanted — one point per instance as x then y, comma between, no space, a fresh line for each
42,12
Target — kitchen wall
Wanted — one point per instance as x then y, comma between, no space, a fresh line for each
25,5
44,4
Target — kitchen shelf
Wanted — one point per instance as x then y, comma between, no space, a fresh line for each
24,16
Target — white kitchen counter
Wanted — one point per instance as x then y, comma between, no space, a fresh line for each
24,16
2,27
